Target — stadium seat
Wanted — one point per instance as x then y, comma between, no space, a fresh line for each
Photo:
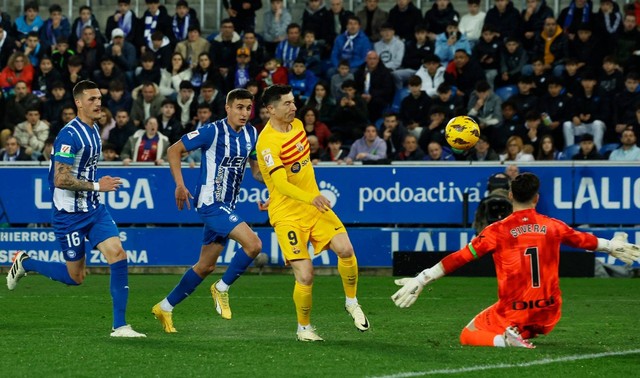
397,99
606,149
505,92
569,151
379,123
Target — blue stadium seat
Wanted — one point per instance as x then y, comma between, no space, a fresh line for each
379,123
397,99
569,151
607,148
505,92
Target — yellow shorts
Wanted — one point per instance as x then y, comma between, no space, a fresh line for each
294,238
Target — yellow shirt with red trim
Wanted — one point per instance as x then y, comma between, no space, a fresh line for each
289,152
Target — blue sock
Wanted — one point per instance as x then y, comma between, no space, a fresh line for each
119,292
190,280
239,263
55,271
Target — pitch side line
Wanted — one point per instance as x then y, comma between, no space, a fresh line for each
544,361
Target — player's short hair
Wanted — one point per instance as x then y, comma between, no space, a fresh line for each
273,94
238,94
525,187
78,89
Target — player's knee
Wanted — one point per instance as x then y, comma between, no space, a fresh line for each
204,269
253,248
305,278
346,251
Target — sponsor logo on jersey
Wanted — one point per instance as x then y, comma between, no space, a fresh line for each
295,168
193,134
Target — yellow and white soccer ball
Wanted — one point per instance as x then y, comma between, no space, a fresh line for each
462,133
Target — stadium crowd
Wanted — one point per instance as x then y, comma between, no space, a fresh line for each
541,86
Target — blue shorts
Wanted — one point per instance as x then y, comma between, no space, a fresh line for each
219,221
71,229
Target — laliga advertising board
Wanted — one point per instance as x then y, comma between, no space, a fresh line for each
577,193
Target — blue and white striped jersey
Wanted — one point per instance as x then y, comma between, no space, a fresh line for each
78,145
224,158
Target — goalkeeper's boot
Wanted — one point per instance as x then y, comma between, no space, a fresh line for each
221,301
359,318
165,318
308,334
17,270
513,338
126,331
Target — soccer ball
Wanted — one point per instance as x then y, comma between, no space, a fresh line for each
462,133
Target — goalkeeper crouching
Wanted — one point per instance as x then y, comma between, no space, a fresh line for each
526,253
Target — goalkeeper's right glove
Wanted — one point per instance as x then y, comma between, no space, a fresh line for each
412,287
619,248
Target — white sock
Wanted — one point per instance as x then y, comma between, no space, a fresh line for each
166,306
498,341
350,301
221,286
303,328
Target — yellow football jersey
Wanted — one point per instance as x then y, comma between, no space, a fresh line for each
289,151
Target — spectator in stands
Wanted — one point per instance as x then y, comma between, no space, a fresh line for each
186,103
451,104
118,98
352,113
28,22
61,53
33,49
225,44
316,17
203,116
416,49
352,46
334,152
261,121
485,106
437,152
414,109
18,69
312,52
589,112
393,133
432,73
553,45
242,71
180,71
86,18
588,149
16,107
204,71
628,151
571,77
587,48
482,151
540,76
339,18
390,48
7,44
109,152
439,16
182,21
13,151
547,150
123,130
530,129
242,13
410,150
272,74
214,98
55,26
487,51
608,24
275,23
258,52
193,46
512,58
434,131
375,84
625,103
463,73
68,114
515,151
323,103
635,126
510,123
5,21
314,149
33,132
54,107
627,44
45,154
611,81
449,42
505,18
368,148
472,22
148,145
288,49
108,73
578,11
161,49
122,53
169,121
342,74
302,82
148,70
512,171
405,17
372,18
45,76
533,16
74,73
106,123
146,103
89,49
155,18
556,108
126,20
313,126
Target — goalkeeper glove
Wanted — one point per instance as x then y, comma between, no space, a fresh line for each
619,248
412,287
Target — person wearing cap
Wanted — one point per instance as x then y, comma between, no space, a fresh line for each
126,20
416,49
432,74
450,41
193,46
242,71
390,48
371,18
183,21
505,18
122,52
588,149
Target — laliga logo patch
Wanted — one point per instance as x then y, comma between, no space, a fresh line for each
329,191
295,168
193,134
71,253
233,218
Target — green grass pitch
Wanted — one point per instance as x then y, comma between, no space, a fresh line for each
47,329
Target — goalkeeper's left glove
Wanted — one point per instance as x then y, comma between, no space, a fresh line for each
619,248
412,287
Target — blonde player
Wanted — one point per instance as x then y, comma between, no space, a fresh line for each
299,213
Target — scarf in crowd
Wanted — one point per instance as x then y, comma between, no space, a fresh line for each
124,23
617,18
180,29
586,12
347,49
150,24
81,26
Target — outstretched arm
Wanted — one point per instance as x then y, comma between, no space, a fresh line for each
63,178
620,248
